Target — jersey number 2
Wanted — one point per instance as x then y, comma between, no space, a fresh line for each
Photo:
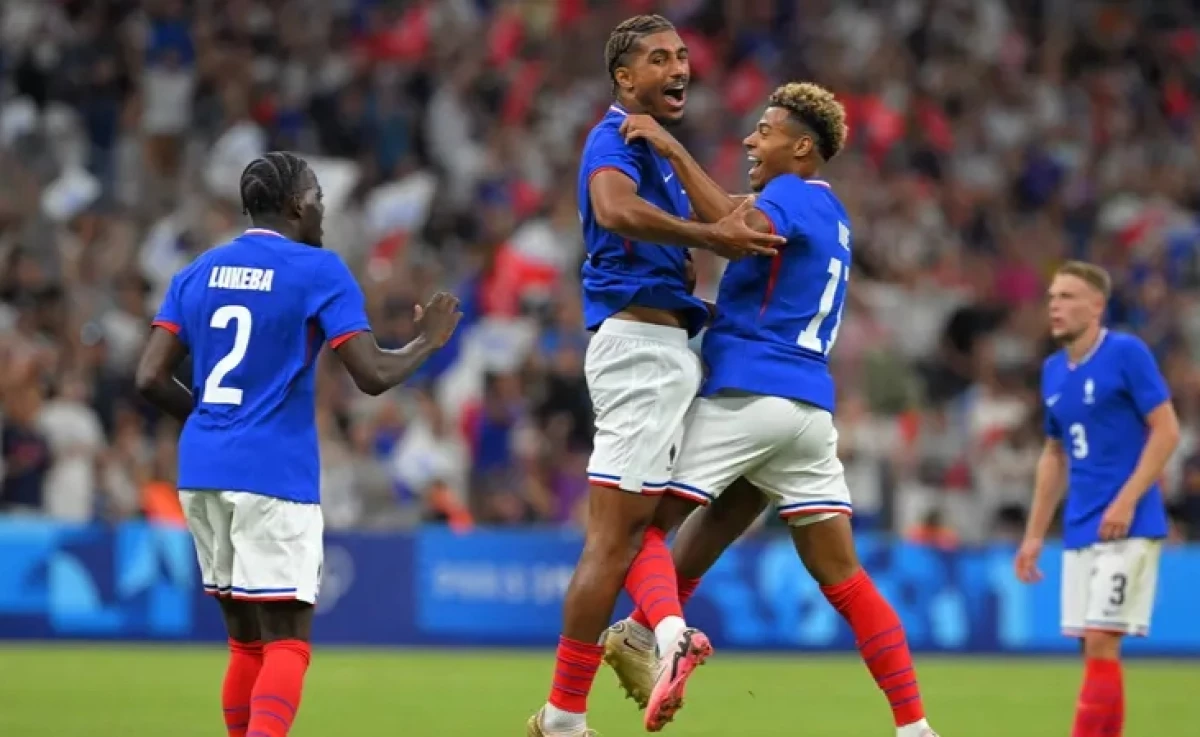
214,393
810,337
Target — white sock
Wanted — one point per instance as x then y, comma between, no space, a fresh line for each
667,632
641,635
916,729
555,719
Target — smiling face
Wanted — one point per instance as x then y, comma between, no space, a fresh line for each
778,145
656,75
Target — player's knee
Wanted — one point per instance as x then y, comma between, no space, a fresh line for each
285,620
1098,645
241,620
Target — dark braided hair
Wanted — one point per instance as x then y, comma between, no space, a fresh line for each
626,35
270,181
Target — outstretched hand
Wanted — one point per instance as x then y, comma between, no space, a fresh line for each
437,320
734,238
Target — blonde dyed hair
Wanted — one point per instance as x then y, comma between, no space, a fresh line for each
819,110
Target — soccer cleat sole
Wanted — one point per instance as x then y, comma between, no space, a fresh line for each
667,698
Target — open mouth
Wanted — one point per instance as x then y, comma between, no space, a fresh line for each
755,163
676,95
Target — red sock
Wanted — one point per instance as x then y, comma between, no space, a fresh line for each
651,579
1101,708
881,643
245,660
687,587
276,697
575,668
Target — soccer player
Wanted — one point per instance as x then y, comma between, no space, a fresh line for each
765,412
1110,430
254,314
640,373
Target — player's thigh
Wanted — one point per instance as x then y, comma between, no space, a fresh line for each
210,521
724,438
708,532
642,379
278,549
804,476
1123,585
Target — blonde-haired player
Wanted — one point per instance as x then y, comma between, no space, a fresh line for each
1110,430
762,428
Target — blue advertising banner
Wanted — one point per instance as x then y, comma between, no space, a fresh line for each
505,588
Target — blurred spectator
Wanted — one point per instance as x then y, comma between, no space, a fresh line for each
990,140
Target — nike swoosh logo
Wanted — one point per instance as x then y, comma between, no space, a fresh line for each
668,177
1050,402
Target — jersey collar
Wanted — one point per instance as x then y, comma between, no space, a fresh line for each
819,183
263,231
616,108
1099,341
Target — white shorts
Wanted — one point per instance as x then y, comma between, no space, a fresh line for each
1110,587
256,548
788,449
641,378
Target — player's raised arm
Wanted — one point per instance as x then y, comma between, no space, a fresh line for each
376,370
165,350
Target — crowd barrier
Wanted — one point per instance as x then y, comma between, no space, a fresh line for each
433,587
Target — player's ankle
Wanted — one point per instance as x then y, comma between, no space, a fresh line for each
667,631
918,728
555,719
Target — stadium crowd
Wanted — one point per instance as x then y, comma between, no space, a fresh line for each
990,141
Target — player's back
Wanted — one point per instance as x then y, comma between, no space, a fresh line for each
254,314
777,319
1097,409
618,272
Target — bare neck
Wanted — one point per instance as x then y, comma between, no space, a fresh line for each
1081,346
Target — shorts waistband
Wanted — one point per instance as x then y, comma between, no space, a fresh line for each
644,331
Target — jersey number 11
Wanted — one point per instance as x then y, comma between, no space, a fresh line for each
810,337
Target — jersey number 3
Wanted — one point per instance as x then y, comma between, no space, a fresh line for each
214,392
810,337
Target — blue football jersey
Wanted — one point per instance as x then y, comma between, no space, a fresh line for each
620,272
255,313
777,318
1097,409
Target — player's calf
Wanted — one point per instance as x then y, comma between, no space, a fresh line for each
1100,711
275,701
245,662
826,546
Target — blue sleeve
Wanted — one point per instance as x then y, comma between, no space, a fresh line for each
609,151
783,202
170,313
1143,380
339,305
1050,424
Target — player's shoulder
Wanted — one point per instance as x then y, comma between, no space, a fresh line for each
1124,343
1055,362
605,136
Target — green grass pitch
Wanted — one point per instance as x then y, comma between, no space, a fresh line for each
114,691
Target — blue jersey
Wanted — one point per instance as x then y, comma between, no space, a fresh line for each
777,318
254,313
619,272
1098,409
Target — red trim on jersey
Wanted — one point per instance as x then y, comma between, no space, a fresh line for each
170,327
244,597
606,168
336,343
776,265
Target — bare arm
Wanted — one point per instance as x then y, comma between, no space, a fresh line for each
375,370
1161,443
709,201
1048,488
155,378
619,209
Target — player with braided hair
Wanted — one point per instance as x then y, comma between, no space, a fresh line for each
254,314
637,226
762,428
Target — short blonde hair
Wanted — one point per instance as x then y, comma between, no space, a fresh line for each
818,109
1094,276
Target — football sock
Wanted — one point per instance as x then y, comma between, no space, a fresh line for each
276,696
880,638
245,660
687,587
575,668
1101,708
652,586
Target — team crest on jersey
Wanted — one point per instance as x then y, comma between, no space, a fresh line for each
1089,392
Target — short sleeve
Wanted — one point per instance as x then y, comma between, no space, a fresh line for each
339,305
1143,380
170,313
609,151
783,201
1051,425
